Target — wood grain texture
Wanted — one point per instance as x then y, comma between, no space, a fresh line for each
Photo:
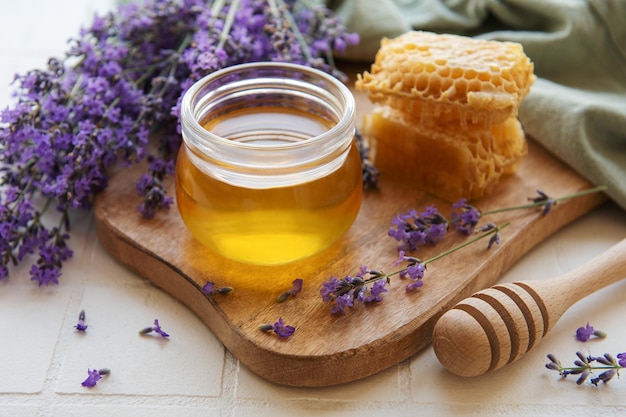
326,349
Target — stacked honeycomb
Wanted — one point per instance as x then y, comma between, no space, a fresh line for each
446,114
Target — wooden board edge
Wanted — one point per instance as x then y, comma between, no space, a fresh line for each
294,370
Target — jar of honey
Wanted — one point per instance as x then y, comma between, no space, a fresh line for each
268,172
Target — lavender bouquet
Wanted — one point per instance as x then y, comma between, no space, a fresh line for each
113,100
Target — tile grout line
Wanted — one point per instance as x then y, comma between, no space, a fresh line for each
54,371
230,373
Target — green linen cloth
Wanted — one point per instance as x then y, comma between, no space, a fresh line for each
577,107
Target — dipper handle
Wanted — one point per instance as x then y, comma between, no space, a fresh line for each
497,326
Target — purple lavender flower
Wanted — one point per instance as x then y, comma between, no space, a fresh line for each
584,333
414,270
94,375
464,216
366,286
156,328
546,201
414,229
296,287
376,292
604,377
584,367
495,237
152,188
370,172
329,289
81,326
622,359
121,79
280,328
209,288
341,303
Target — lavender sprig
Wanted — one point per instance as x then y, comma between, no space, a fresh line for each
368,285
370,172
585,366
119,84
465,216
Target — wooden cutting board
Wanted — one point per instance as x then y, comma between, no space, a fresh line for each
329,349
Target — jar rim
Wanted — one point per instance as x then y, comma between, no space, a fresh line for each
192,124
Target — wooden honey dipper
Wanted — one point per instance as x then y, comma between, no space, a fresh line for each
497,326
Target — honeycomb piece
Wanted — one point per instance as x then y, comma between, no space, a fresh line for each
444,160
443,78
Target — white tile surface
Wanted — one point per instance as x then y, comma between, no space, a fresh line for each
188,363
43,359
384,385
30,321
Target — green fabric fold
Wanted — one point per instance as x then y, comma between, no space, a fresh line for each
577,108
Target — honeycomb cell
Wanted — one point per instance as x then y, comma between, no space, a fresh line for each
449,103
444,72
456,72
501,68
453,162
483,76
460,87
475,85
421,82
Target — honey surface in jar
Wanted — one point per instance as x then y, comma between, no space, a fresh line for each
274,224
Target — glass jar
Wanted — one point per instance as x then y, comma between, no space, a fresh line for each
268,172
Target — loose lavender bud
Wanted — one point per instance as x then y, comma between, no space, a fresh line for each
266,327
210,288
225,290
296,287
280,328
156,328
583,334
80,326
94,375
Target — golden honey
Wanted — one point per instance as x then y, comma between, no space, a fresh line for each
275,175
